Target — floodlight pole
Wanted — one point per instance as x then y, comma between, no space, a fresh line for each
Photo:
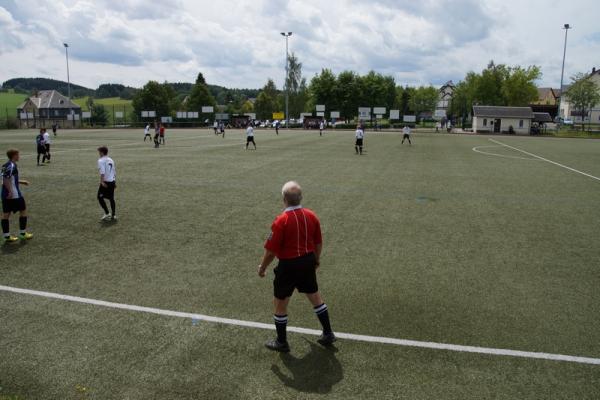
562,74
68,81
287,71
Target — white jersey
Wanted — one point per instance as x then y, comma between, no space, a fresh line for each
360,134
47,139
216,125
250,131
106,167
321,126
406,130
147,130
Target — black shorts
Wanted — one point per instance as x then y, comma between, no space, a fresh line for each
13,205
359,142
296,273
41,149
250,139
47,148
406,136
107,192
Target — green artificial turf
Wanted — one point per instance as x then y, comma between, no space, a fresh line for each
433,242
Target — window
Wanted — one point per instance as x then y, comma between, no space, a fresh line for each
521,123
485,122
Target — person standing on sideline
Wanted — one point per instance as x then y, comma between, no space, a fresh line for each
54,128
360,135
41,148
277,125
147,133
321,127
222,129
406,135
216,127
108,175
250,137
12,199
156,135
162,134
296,241
47,143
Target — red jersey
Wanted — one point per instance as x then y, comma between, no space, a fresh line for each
294,233
162,131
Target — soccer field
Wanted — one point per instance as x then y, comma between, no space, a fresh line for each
456,240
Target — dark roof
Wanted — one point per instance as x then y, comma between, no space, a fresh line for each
50,99
502,112
541,117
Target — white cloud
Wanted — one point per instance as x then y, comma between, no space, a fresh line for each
237,43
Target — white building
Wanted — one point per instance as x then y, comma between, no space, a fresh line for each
446,93
493,119
566,108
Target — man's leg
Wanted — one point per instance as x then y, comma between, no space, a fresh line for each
5,225
38,159
320,309
280,317
113,206
23,225
48,151
254,143
102,202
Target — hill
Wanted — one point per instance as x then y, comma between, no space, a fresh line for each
30,85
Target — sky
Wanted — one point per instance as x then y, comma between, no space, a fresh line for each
238,43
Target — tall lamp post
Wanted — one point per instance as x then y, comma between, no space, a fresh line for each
562,74
69,82
287,89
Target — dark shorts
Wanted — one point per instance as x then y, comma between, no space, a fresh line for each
359,142
250,139
47,147
13,205
107,192
41,149
296,273
406,136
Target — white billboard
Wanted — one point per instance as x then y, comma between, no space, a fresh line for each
152,114
334,114
410,118
192,114
364,112
379,116
222,117
320,108
86,114
321,114
208,109
303,115
440,113
166,120
394,114
181,114
379,110
118,114
251,115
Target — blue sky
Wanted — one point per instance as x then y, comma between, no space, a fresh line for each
237,43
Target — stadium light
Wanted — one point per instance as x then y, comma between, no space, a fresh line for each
562,74
69,82
287,91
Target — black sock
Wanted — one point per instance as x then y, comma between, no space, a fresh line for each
22,224
360,148
113,206
103,204
38,158
5,227
323,316
281,325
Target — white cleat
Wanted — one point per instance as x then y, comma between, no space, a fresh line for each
114,217
106,217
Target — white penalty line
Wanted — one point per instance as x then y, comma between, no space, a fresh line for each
545,159
313,332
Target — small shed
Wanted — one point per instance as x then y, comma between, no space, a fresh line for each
496,119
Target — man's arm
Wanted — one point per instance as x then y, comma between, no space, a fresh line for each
318,249
267,259
7,185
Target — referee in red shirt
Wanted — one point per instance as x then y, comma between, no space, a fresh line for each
295,240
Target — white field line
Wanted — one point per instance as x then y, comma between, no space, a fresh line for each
348,336
545,159
476,150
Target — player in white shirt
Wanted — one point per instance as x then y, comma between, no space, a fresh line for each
47,143
108,175
216,127
360,135
250,136
406,135
147,133
321,127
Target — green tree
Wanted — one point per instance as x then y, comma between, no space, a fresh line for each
296,85
424,99
266,102
247,107
378,90
583,94
518,88
200,95
349,93
153,97
99,115
323,90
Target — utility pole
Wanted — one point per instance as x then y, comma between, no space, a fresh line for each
562,74
287,71
69,83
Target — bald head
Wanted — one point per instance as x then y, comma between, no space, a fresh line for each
292,194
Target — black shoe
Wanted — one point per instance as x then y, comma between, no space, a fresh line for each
277,346
326,339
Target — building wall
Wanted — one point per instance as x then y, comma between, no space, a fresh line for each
505,123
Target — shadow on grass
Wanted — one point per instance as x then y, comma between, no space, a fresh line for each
316,372
12,248
108,224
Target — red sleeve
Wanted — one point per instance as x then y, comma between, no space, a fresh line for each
275,240
318,237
